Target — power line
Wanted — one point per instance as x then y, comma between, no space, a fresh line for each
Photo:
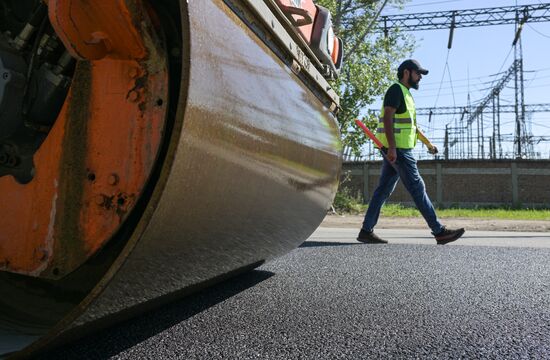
495,92
433,89
442,76
458,110
544,126
424,84
464,18
538,32
450,94
539,86
425,4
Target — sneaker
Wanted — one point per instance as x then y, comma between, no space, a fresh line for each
447,235
370,238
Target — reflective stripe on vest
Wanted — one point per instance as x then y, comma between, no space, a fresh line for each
383,131
404,125
397,121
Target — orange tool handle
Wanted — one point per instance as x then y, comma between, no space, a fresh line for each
369,134
376,141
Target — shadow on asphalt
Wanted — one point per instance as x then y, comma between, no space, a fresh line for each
326,243
127,334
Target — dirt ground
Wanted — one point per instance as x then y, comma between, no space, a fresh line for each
354,221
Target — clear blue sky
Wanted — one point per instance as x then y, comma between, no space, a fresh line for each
477,54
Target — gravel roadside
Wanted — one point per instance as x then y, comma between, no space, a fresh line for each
354,221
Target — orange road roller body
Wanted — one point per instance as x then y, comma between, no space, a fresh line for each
148,149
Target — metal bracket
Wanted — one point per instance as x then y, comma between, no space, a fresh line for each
292,10
297,48
105,28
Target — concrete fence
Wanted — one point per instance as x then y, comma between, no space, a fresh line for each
466,183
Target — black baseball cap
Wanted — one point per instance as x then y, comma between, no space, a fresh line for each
411,64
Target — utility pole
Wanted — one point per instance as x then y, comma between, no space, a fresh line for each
477,138
493,147
468,130
498,127
525,132
446,144
518,82
482,137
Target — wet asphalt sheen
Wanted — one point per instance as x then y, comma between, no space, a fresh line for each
345,300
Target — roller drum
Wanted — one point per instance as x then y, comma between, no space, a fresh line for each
246,170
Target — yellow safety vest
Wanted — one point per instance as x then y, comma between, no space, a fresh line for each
404,125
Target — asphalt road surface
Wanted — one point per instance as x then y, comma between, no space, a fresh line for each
485,296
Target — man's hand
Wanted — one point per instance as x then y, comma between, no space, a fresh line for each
391,155
432,149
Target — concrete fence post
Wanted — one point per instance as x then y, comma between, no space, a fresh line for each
365,183
515,192
439,184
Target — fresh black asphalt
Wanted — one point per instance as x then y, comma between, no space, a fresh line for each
338,300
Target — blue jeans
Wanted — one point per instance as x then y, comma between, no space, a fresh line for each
408,172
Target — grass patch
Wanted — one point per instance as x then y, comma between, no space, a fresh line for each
497,213
397,210
344,202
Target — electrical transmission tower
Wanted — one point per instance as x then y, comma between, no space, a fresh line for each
518,15
464,110
495,91
464,18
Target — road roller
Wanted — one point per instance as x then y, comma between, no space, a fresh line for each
149,149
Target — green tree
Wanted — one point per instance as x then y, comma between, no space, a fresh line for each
370,62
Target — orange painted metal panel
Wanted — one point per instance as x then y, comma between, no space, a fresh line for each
95,29
89,171
309,6
94,163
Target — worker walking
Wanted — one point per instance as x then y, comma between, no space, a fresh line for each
398,132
